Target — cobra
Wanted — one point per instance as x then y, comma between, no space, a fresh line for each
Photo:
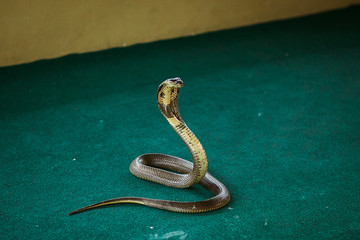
173,171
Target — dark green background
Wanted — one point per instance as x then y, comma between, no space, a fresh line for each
276,106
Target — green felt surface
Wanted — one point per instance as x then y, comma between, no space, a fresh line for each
276,106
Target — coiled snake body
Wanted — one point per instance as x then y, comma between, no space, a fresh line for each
151,166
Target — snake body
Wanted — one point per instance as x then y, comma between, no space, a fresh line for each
182,174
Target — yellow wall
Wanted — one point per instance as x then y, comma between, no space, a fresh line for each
38,29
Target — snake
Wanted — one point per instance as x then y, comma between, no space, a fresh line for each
173,171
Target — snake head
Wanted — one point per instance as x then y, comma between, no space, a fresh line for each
175,82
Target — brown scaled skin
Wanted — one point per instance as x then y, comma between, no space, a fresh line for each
153,166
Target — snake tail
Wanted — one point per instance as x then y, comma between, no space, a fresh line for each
110,202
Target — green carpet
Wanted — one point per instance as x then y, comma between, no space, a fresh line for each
276,107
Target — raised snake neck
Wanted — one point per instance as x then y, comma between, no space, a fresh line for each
152,166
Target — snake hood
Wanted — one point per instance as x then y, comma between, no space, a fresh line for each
167,95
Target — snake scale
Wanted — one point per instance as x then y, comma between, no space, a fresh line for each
182,173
